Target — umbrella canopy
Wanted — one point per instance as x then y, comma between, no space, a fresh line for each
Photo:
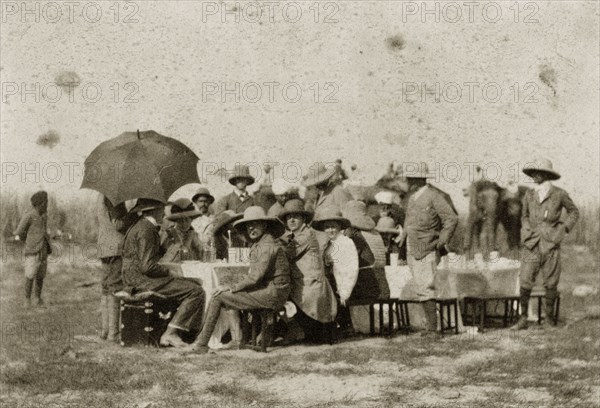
139,165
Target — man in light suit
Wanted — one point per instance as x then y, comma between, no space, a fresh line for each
542,231
430,223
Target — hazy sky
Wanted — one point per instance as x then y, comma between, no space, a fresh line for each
368,82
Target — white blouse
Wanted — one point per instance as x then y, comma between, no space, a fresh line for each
341,254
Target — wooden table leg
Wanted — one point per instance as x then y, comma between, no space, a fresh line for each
372,319
390,318
456,317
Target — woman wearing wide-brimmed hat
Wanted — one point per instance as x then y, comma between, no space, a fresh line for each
542,232
239,199
330,192
339,255
181,242
267,285
310,289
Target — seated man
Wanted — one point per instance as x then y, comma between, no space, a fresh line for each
267,285
142,272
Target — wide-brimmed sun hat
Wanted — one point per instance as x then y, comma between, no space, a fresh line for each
203,192
224,219
319,174
356,213
326,214
295,206
257,213
386,225
384,197
541,165
145,204
241,172
281,187
182,208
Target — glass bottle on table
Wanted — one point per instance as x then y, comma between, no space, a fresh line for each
211,251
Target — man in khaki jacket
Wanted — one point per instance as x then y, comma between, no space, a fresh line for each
430,223
542,232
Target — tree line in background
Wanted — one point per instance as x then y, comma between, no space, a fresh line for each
75,220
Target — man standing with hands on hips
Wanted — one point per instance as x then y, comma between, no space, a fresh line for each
430,223
542,231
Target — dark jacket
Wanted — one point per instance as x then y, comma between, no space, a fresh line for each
179,246
232,202
141,253
541,221
430,222
33,230
366,258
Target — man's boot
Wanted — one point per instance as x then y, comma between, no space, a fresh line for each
104,317
522,324
28,289
39,284
551,295
113,308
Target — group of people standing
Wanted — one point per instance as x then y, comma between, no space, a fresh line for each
310,253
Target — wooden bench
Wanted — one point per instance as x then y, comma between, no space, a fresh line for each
371,303
478,305
448,308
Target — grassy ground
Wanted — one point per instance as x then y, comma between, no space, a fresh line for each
48,359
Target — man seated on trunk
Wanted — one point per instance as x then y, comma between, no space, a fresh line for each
142,272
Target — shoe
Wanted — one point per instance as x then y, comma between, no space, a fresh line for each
232,345
522,324
40,303
172,341
548,324
27,303
194,349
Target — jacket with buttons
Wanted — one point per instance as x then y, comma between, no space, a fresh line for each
541,221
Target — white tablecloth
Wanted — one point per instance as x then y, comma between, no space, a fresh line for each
213,275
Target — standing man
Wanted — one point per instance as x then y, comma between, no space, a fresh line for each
330,191
239,199
283,192
203,225
542,231
110,247
429,225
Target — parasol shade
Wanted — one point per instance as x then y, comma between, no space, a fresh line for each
139,165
